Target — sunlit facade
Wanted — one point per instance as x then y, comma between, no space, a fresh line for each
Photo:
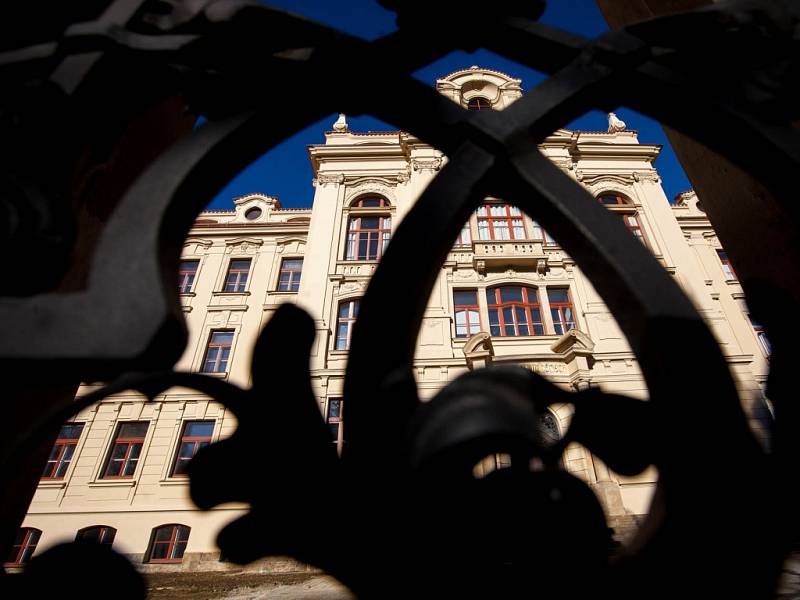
507,294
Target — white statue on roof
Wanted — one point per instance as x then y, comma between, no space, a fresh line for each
615,125
341,124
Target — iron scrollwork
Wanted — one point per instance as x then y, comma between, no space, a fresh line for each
403,486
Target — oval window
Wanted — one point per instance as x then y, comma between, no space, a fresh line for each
252,213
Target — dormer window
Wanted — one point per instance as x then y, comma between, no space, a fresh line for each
479,103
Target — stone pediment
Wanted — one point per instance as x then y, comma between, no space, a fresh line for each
574,341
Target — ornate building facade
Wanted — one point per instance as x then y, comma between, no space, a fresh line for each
507,294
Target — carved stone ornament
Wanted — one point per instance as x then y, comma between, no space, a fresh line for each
403,176
606,182
326,178
433,164
369,186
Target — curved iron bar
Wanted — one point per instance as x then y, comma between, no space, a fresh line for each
488,152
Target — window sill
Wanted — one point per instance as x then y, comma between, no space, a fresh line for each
178,480
231,293
52,483
358,261
127,482
290,292
339,352
732,281
223,375
187,294
500,338
164,562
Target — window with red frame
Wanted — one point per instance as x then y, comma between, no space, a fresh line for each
540,235
97,534
168,543
63,451
561,310
196,435
238,271
727,267
500,222
632,223
23,547
289,278
370,202
125,450
335,420
467,312
186,275
218,352
348,312
614,200
368,236
514,311
479,103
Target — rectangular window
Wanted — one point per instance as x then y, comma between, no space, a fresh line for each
188,270
126,450
540,235
236,279
632,223
464,236
348,312
561,310
63,450
514,311
289,279
467,312
500,222
368,237
196,435
23,548
727,267
218,352
335,420
761,335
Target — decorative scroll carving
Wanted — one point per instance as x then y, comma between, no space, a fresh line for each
432,164
324,179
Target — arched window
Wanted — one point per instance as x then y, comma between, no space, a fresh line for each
548,428
514,311
479,103
346,318
24,547
368,232
98,534
500,222
613,199
370,202
168,543
621,204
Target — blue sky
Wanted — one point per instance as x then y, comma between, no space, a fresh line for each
285,171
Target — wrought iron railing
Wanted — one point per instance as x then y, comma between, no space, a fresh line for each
102,303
